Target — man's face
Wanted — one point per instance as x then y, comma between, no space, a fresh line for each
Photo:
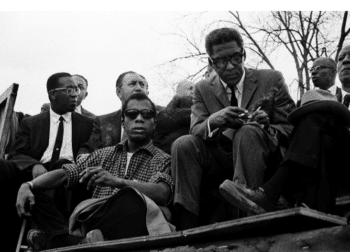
83,89
132,83
64,102
232,74
139,129
324,77
344,67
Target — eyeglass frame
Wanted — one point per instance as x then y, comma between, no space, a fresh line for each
319,67
242,54
74,89
139,112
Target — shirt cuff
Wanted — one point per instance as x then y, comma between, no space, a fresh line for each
210,133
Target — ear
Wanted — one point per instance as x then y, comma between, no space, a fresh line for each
118,91
52,95
244,55
86,94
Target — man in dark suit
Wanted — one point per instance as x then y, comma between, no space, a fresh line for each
107,130
82,83
238,127
35,151
323,74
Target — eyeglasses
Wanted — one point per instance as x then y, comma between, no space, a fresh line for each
69,90
235,59
145,113
318,68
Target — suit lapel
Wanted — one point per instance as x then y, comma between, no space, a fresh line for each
249,87
75,133
219,91
339,95
44,131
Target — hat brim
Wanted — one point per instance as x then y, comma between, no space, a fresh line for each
334,107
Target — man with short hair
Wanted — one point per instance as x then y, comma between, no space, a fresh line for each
82,83
314,168
238,127
43,143
134,163
108,129
323,74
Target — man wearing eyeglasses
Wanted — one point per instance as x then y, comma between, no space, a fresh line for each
82,84
323,74
238,126
134,162
44,142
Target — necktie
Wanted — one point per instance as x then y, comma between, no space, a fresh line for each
346,100
234,101
58,144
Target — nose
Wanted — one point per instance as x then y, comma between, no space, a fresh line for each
347,58
230,65
138,87
139,118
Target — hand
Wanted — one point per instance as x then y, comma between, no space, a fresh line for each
228,117
24,195
97,175
261,117
38,170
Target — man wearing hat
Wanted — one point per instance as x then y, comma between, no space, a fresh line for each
312,168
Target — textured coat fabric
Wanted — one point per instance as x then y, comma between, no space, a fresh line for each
32,138
265,88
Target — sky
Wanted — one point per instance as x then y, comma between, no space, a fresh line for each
38,39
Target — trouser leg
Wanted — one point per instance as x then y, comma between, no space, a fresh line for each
251,152
194,163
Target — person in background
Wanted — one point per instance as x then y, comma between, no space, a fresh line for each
174,120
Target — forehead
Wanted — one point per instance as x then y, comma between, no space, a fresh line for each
226,49
132,77
65,81
345,50
135,104
78,80
324,62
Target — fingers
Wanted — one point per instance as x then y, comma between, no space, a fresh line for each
88,172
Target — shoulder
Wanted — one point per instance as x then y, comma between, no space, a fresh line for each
87,113
267,73
208,82
36,118
112,115
82,118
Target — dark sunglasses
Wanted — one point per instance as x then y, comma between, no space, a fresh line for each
133,113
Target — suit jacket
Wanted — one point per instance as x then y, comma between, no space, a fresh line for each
265,88
106,131
33,135
87,113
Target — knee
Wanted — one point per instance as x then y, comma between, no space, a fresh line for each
185,143
249,131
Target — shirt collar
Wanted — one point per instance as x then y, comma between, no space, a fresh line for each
55,117
78,109
150,148
239,85
333,89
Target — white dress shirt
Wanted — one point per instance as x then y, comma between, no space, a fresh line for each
66,149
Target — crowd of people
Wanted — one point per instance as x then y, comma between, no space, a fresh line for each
232,145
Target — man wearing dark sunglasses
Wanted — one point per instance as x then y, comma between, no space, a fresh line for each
134,162
43,143
323,73
253,105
